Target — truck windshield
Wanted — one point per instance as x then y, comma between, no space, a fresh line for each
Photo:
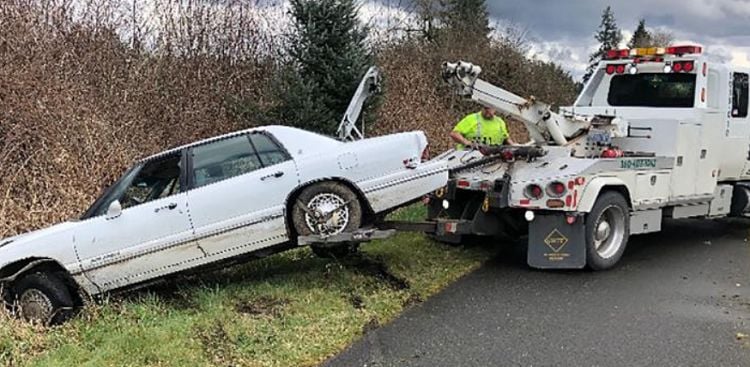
652,90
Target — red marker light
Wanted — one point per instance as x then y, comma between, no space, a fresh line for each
620,69
463,183
688,66
610,69
677,67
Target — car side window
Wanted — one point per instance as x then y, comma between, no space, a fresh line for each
740,95
269,151
157,179
223,159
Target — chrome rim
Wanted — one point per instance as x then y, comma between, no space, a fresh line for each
609,231
35,306
331,214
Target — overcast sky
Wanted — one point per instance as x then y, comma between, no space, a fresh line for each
563,30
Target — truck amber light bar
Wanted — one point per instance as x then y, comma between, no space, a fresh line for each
652,51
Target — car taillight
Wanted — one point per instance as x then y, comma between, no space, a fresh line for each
534,192
426,153
556,189
620,69
610,69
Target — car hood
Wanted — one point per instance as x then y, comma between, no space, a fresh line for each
35,235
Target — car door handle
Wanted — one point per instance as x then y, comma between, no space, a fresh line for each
171,206
273,175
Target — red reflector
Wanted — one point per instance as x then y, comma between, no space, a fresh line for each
570,219
463,183
580,181
525,202
571,185
568,200
450,227
610,69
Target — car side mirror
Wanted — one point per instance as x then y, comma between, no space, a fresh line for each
114,210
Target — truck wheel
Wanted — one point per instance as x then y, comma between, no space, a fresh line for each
607,231
327,208
43,298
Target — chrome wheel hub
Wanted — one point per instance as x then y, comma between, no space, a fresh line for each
330,214
35,306
609,231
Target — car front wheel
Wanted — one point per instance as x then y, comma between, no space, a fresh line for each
43,298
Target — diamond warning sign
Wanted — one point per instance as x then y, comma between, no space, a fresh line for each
556,241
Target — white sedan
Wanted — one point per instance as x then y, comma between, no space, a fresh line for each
237,196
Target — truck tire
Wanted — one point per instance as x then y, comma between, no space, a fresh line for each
43,298
607,231
323,198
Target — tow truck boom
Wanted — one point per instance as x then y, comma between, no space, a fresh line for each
543,124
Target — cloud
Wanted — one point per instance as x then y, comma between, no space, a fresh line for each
723,26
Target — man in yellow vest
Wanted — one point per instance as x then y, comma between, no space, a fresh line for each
481,128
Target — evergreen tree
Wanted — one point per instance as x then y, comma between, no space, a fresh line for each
641,36
609,38
467,18
328,58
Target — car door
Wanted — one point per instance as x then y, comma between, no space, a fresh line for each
150,234
238,190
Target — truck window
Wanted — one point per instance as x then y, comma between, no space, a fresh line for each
739,95
652,90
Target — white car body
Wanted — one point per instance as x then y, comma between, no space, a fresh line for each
237,216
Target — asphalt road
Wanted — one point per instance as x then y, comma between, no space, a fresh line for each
678,298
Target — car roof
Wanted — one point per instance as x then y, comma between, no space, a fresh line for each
271,129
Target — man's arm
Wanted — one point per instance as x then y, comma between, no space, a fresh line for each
459,139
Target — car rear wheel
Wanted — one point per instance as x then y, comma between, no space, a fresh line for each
43,298
327,209
607,231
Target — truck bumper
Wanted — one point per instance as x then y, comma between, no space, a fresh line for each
554,243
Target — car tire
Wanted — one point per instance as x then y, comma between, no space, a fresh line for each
325,197
43,298
607,231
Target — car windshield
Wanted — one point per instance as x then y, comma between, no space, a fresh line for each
114,191
652,90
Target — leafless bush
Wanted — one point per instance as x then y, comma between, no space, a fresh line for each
87,86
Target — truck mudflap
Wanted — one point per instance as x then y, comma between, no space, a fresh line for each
556,244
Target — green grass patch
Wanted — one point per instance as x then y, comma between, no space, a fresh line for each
291,309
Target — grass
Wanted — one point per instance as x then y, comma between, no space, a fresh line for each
291,309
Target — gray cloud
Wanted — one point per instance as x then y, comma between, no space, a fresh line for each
701,20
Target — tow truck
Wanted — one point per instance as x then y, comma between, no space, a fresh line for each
655,133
